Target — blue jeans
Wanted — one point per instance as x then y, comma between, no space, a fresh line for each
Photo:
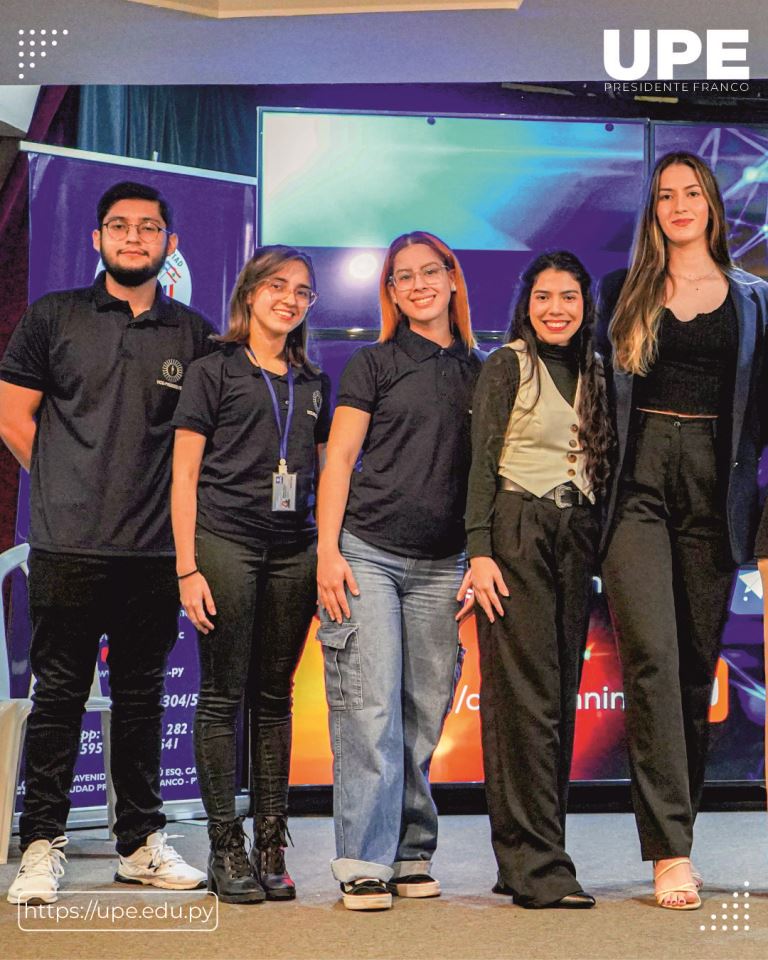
390,675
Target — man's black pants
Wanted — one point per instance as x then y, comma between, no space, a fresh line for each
668,574
530,662
74,599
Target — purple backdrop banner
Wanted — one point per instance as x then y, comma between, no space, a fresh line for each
215,221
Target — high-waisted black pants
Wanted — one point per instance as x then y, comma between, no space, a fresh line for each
668,573
530,661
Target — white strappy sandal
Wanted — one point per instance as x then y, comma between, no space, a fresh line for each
682,888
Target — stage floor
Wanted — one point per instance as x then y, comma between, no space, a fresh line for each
467,923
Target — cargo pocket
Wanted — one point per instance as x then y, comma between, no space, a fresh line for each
343,673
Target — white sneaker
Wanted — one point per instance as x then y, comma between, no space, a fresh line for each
41,869
159,865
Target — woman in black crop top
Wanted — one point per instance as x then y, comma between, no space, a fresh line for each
686,329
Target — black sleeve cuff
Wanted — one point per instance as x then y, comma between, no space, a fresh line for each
22,380
345,401
196,426
479,543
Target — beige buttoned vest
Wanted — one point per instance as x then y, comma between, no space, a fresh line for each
541,446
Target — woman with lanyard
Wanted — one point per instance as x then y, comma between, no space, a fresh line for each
687,330
541,445
251,428
390,569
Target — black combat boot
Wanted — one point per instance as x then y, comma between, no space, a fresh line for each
229,872
268,856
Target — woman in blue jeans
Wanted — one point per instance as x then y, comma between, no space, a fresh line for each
391,567
251,427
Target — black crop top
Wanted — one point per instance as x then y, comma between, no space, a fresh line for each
695,364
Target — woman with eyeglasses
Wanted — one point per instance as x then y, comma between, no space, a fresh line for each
541,447
251,428
687,330
391,567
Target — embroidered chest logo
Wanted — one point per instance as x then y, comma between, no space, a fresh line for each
172,371
317,402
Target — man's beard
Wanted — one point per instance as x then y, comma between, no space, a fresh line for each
135,276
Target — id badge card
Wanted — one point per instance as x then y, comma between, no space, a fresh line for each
284,491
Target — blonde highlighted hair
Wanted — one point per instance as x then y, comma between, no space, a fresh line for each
265,263
458,307
635,324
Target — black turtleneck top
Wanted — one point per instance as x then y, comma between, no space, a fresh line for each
492,406
562,364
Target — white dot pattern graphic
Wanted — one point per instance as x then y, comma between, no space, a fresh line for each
27,51
736,916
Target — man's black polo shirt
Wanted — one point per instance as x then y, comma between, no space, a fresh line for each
227,401
410,493
101,460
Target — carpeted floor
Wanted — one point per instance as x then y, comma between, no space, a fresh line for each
467,923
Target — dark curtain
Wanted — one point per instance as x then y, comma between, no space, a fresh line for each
209,127
54,122
214,127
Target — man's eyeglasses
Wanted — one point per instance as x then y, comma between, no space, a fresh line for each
280,288
147,230
431,274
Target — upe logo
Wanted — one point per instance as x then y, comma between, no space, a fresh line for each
674,48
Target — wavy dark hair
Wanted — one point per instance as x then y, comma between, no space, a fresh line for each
595,431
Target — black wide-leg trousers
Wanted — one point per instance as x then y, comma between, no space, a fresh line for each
530,662
668,574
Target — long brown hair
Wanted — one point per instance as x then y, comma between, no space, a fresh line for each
635,323
264,264
595,430
458,308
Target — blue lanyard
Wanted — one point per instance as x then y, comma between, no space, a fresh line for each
283,433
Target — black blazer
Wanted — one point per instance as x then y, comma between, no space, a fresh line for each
749,413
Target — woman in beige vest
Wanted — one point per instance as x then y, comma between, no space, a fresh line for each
541,440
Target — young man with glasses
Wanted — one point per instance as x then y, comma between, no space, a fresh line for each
88,386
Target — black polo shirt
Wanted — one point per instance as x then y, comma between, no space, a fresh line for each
409,495
101,460
227,400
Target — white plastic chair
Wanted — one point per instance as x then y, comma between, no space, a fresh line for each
15,710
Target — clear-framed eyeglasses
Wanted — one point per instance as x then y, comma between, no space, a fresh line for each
147,230
280,289
431,275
